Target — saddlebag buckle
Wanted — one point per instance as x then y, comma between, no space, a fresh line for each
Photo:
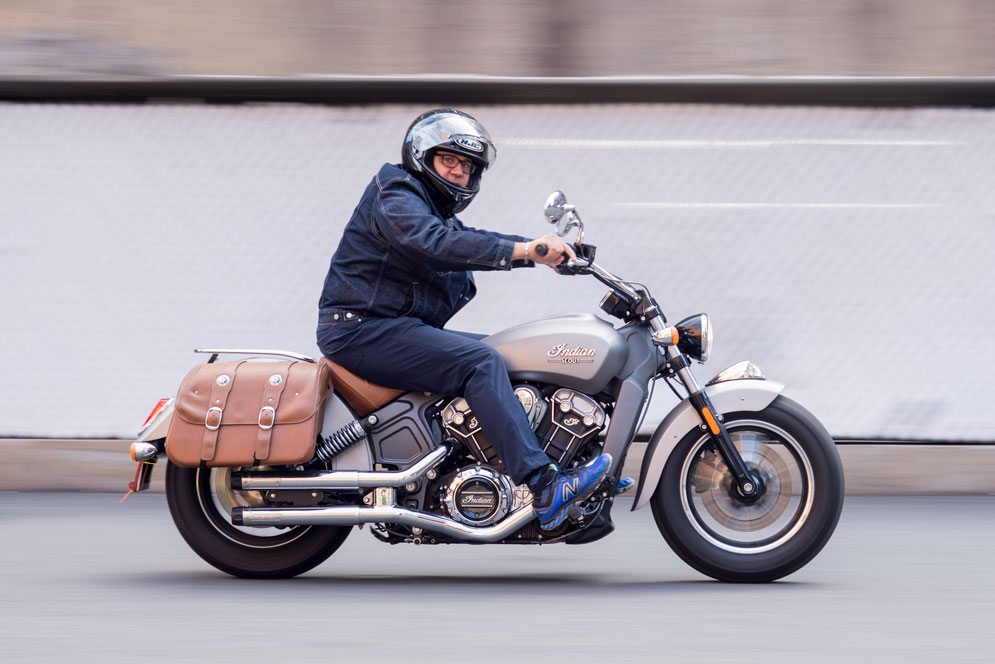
213,418
267,418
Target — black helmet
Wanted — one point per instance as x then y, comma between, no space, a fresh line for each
454,131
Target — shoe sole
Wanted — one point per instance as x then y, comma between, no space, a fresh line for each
584,495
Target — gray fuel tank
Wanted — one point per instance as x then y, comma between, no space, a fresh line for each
578,351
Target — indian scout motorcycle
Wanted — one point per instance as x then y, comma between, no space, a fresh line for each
272,463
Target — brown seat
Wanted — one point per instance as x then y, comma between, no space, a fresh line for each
362,396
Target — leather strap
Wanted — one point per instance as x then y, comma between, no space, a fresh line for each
212,423
272,391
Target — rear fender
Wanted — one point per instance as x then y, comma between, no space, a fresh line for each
157,428
727,397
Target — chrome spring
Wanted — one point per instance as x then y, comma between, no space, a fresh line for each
340,441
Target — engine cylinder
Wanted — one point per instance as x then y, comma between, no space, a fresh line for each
573,418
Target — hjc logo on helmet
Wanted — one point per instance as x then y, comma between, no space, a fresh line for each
469,143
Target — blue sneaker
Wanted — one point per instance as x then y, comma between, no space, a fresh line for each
624,484
555,490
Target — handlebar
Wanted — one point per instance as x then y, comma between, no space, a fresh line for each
541,250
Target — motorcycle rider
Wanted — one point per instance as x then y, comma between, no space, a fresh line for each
403,269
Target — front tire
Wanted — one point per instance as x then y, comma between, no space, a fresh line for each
706,523
200,502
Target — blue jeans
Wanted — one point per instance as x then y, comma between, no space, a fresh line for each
405,353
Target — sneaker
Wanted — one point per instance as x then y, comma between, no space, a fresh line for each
624,484
556,490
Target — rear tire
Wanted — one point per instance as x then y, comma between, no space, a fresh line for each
721,536
200,501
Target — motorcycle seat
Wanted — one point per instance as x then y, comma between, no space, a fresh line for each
362,396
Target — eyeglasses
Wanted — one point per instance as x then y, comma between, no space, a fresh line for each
450,161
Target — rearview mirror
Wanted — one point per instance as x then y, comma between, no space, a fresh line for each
555,203
558,212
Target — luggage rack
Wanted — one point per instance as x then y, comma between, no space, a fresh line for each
236,351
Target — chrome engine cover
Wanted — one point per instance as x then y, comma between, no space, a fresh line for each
479,496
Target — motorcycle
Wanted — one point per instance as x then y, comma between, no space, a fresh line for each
744,484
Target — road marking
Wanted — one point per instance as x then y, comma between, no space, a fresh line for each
666,144
752,206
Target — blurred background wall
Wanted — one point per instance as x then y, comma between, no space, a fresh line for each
510,38
822,241
846,251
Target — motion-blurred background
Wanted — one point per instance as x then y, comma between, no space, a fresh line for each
510,38
844,250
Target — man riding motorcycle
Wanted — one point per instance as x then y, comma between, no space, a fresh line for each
403,269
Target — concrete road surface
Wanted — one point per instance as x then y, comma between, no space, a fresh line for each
84,579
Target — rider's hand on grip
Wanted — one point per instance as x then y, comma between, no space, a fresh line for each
542,250
551,250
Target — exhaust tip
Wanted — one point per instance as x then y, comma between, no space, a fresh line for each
236,516
236,481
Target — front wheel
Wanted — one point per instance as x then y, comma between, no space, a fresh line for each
201,501
708,524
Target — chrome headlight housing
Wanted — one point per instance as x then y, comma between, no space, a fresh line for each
695,337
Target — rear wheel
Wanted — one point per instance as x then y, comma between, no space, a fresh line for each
713,529
201,500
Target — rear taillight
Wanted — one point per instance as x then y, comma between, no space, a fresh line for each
163,403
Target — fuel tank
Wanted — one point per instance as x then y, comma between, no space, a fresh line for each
579,351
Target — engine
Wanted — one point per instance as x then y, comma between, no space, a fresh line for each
564,423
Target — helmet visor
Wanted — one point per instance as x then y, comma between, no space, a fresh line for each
456,133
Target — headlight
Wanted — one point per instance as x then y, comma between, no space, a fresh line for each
695,337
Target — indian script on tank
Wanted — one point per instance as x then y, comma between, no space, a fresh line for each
560,353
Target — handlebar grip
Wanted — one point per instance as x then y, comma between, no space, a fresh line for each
541,249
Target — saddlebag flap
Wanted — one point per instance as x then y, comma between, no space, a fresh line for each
247,413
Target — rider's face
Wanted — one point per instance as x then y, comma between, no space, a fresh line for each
458,174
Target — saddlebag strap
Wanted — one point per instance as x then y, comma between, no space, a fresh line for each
272,391
220,389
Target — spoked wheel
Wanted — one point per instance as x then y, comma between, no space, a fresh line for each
201,501
719,533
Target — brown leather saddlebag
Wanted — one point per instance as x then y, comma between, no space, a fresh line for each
244,413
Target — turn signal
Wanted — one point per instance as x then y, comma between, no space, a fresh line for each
143,451
668,336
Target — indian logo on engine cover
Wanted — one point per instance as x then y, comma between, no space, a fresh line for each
563,355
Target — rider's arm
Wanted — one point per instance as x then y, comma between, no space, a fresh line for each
408,224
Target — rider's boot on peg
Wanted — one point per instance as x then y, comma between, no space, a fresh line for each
556,490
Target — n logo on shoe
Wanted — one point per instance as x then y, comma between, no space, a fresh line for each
570,488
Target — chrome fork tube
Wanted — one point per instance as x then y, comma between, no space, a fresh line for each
670,352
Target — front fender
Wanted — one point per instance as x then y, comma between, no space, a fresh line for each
727,397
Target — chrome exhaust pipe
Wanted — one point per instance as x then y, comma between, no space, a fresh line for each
337,479
351,516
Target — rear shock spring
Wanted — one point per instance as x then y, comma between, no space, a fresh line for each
340,441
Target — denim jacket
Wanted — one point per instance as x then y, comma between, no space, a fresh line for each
400,257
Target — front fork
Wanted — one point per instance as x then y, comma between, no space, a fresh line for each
748,486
